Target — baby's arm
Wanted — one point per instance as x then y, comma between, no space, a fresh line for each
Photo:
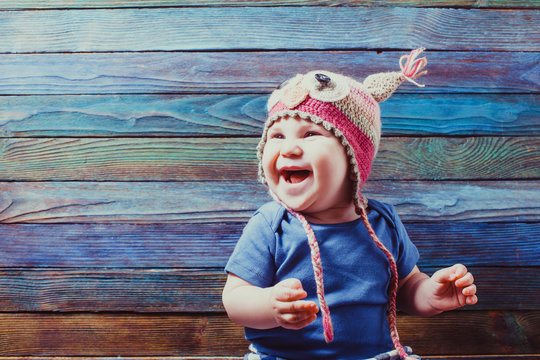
266,308
448,289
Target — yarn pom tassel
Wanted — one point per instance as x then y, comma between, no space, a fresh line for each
413,66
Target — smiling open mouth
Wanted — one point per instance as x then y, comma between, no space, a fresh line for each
295,176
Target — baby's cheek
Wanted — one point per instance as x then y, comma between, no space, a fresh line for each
268,161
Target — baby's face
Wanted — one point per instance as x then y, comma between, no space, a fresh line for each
306,166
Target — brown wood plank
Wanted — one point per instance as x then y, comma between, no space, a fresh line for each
250,72
55,4
472,333
476,332
203,159
183,290
93,290
119,335
464,357
459,357
140,202
209,245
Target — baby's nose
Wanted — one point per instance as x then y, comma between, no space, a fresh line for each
291,147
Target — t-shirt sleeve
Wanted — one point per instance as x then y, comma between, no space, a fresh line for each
253,257
407,255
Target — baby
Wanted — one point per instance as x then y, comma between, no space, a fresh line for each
316,151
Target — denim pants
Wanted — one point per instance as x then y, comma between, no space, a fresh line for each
390,355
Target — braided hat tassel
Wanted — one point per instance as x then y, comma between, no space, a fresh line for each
392,291
317,270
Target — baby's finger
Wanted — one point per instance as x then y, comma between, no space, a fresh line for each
304,306
469,290
289,290
465,280
297,321
296,317
288,294
459,271
291,307
292,283
471,300
448,274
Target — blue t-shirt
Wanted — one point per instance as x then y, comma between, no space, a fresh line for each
273,247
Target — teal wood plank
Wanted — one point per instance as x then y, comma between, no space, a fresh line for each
243,115
180,290
250,28
150,202
204,159
209,245
255,72
466,158
55,4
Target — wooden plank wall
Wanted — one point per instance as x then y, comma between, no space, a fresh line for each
127,163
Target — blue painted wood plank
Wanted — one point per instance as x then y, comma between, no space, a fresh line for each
209,245
174,29
150,202
255,72
77,4
185,290
234,115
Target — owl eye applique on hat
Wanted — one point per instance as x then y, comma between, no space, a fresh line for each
283,92
294,96
326,86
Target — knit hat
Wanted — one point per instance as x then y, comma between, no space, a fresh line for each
350,110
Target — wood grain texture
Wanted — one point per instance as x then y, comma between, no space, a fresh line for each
119,335
127,164
255,71
214,335
88,202
199,291
95,290
209,245
243,115
128,202
202,245
250,28
204,159
55,4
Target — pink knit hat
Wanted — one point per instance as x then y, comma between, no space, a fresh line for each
350,110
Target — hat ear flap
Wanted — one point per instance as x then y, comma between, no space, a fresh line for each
382,85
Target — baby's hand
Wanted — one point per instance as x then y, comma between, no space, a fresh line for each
288,310
453,287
